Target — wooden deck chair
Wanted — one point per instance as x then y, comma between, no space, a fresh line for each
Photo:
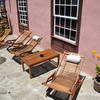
19,40
66,78
27,48
6,33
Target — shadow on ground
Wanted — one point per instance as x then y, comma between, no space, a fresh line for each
2,60
41,69
3,47
62,96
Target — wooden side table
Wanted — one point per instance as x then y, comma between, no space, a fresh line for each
39,57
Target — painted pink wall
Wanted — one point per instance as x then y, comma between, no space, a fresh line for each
39,20
90,34
12,15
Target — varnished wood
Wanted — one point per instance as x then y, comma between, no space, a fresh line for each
66,78
18,41
34,59
6,33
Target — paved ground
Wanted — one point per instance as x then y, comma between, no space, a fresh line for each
16,85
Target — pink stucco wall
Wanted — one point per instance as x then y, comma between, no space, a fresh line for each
12,14
90,34
40,19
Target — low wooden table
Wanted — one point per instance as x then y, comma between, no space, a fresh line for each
37,58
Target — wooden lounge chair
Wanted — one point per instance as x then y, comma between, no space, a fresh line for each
66,78
27,48
7,31
19,40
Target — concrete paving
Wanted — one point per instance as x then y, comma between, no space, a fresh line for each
16,84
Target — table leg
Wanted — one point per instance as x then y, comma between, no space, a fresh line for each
23,66
30,72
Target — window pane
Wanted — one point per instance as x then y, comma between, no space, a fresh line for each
62,22
62,1
61,10
57,10
67,10
67,23
74,2
57,30
56,1
68,1
74,11
22,12
62,32
74,24
67,33
24,4
73,35
57,20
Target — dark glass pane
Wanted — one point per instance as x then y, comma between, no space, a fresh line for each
67,10
61,10
67,24
25,8
62,22
23,21
19,4
57,10
73,35
57,20
74,2
74,24
67,33
74,11
22,8
62,32
23,17
56,1
57,30
24,4
68,1
62,1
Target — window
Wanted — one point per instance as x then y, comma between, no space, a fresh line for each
65,14
22,13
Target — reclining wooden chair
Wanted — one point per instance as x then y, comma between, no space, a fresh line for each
7,31
66,78
19,40
27,48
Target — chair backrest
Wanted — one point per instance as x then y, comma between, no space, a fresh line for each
68,69
32,43
6,33
23,36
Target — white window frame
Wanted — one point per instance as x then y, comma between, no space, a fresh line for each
68,17
22,20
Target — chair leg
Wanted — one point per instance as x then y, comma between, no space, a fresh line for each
48,91
70,97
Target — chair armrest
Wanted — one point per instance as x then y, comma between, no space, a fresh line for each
16,44
9,41
50,77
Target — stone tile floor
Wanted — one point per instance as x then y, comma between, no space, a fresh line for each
16,84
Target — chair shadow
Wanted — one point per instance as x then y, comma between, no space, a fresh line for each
41,69
56,95
3,47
